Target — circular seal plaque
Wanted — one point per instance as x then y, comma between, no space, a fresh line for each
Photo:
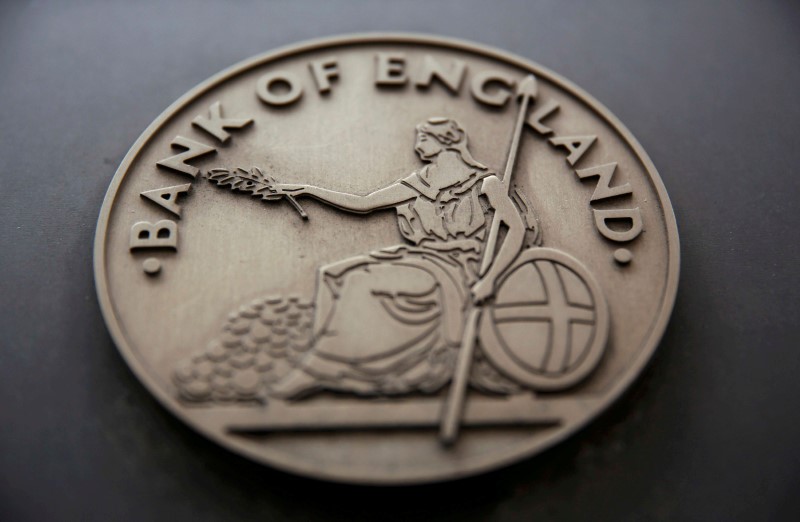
386,259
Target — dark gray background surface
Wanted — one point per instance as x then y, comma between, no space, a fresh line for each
709,432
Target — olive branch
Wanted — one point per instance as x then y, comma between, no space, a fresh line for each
253,182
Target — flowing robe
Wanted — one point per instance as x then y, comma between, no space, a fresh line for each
391,321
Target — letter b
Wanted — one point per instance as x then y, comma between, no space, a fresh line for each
162,234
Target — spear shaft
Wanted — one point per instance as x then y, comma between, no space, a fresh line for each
454,404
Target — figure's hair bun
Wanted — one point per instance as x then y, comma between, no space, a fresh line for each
445,130
449,133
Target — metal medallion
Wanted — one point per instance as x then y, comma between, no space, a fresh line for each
386,259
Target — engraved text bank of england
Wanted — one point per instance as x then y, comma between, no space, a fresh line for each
284,88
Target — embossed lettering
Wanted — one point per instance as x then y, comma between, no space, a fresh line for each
604,189
451,77
575,145
627,214
194,149
390,69
497,96
323,72
167,197
162,234
265,88
215,124
535,119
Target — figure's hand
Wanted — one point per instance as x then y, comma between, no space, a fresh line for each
288,192
482,290
289,189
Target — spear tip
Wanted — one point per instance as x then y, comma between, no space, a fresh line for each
528,87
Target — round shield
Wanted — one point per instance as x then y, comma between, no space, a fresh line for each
548,325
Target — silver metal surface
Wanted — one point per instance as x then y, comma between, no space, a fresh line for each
386,259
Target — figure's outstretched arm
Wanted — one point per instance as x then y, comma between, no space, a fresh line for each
506,212
391,196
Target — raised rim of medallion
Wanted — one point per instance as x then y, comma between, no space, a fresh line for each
477,465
